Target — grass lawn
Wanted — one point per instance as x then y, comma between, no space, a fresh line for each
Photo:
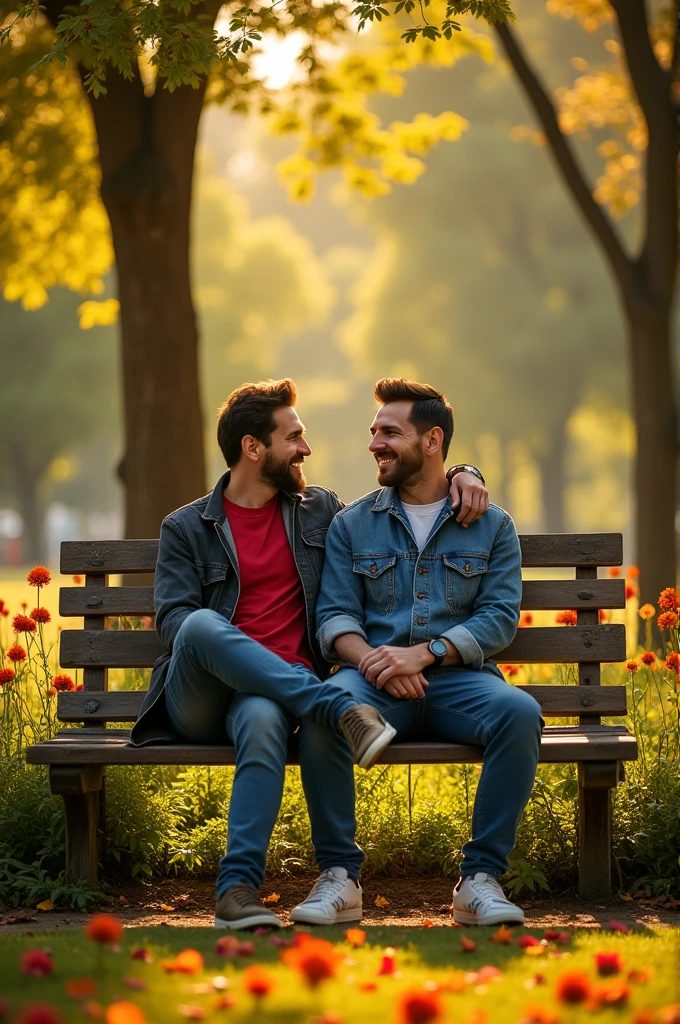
430,960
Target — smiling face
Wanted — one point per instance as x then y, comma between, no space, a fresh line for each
283,459
398,448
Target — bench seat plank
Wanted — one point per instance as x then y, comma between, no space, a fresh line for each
557,701
139,648
600,743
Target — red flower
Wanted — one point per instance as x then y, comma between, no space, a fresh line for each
63,683
80,686
538,1015
618,926
41,615
510,670
22,624
52,692
7,675
573,987
257,981
37,962
648,658
632,572
527,940
315,959
669,600
631,591
555,935
673,660
81,988
602,616
104,928
610,993
39,576
608,963
614,571
388,964
420,1006
141,954
632,666
77,579
566,618
526,619
39,1013
16,653
667,620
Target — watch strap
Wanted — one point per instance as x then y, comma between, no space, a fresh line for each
464,468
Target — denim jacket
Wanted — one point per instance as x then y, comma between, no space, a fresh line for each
197,567
464,585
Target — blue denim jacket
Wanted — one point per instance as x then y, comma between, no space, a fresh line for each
464,585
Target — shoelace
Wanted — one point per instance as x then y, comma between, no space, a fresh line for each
242,894
496,893
325,887
355,726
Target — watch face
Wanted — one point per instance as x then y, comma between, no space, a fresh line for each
438,648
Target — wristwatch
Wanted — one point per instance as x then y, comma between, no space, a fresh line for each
463,468
438,650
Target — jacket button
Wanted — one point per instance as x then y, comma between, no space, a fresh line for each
374,568
420,595
467,567
420,622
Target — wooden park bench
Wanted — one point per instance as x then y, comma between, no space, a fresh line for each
78,756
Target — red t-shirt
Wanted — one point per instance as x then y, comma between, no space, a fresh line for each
271,604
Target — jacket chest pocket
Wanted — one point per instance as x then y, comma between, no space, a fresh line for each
212,577
463,576
378,576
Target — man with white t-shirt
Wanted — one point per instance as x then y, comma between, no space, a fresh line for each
412,607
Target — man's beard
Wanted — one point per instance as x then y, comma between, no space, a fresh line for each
404,467
280,475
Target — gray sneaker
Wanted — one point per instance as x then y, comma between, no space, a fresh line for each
241,907
367,733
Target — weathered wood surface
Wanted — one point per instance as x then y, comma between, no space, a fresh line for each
545,644
603,743
555,701
594,833
538,550
537,595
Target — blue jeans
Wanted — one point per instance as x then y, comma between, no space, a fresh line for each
470,706
224,687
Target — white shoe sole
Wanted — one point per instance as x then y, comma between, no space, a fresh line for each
376,748
300,916
254,921
514,916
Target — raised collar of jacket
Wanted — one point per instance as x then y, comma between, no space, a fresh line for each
215,508
388,497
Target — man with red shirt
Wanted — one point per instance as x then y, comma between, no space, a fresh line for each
235,592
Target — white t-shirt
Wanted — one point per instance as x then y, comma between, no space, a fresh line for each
422,519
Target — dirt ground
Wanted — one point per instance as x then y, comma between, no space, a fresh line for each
177,904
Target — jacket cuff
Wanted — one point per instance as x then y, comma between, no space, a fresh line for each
466,645
332,629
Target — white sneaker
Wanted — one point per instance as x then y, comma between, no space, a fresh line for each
335,898
480,900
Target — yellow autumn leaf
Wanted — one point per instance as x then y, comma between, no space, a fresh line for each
274,897
46,905
167,907
98,314
380,901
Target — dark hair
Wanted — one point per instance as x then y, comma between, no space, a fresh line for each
250,410
430,407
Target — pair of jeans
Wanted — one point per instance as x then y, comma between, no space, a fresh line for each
224,687
470,706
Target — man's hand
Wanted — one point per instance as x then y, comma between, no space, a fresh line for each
470,493
406,686
385,662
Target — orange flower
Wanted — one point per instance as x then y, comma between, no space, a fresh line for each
670,1014
510,670
526,619
538,1015
631,591
16,653
632,572
673,660
467,945
104,929
224,1002
602,616
315,959
610,993
669,600
566,618
648,658
420,1006
39,576
7,675
368,986
227,945
613,570
189,961
62,683
41,615
39,1013
640,975
257,981
124,1012
632,666
573,987
356,937
77,579
608,963
38,963
667,620
81,988
648,611
52,692
22,624
503,936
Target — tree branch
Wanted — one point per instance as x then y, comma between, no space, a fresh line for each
651,82
563,156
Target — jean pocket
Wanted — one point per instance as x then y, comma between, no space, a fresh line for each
463,576
378,575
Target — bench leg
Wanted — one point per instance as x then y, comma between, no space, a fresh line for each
80,787
596,781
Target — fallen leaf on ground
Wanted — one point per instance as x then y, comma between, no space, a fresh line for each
45,905
356,937
166,906
380,901
426,923
467,945
503,936
273,897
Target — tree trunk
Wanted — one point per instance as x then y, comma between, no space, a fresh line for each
31,509
653,401
552,465
146,148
